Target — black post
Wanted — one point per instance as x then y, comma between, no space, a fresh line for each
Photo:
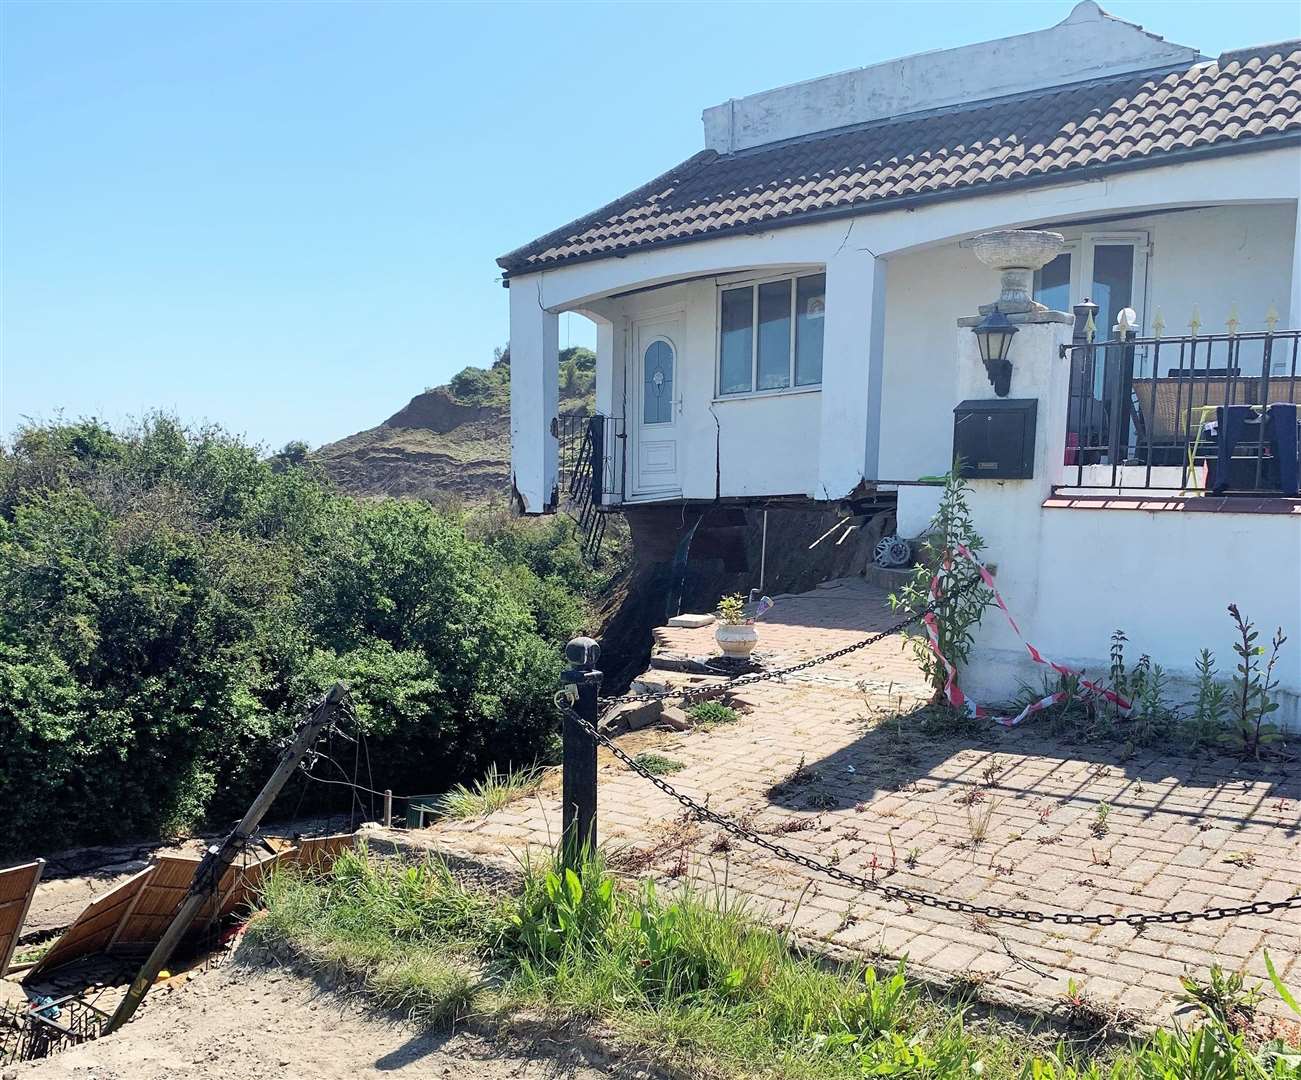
578,773
1079,419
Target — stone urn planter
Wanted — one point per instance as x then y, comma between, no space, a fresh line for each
1016,254
737,641
736,635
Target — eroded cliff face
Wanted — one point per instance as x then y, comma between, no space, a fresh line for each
435,448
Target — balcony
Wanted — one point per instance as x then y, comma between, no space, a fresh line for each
1195,415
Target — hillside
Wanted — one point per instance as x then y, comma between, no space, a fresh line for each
450,442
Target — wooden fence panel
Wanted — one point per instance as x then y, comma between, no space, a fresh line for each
17,887
96,926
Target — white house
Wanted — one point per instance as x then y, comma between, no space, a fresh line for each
777,320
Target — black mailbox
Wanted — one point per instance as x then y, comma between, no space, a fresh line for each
994,439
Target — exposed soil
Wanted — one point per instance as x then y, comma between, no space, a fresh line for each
244,1022
434,448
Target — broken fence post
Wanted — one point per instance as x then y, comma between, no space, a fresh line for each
218,857
578,779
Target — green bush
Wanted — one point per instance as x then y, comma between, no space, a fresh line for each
170,604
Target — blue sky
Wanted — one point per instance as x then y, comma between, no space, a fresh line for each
284,217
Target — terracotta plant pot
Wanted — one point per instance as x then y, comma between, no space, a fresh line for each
737,641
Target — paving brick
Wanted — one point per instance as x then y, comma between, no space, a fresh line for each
1155,855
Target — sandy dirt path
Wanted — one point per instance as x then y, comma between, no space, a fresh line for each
253,1023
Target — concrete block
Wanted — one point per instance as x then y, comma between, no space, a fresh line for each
691,622
675,717
634,715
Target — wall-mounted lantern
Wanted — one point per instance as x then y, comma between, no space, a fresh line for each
1016,254
994,335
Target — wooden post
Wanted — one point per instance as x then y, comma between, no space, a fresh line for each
578,776
388,808
218,857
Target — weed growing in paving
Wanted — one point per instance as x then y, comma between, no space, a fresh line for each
712,713
658,764
494,791
694,982
1098,826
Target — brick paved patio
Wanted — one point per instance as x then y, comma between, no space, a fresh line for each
877,797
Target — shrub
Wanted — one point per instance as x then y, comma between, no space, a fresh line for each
170,604
475,385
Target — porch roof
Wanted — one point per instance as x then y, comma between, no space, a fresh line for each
1246,100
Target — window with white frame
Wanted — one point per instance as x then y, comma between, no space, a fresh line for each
770,335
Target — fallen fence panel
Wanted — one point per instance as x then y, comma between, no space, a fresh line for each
96,926
17,887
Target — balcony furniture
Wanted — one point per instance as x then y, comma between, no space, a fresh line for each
1240,425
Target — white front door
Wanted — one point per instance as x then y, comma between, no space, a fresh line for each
657,405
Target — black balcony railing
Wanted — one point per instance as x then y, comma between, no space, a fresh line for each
1210,413
591,468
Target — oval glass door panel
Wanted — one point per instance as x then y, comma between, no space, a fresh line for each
657,389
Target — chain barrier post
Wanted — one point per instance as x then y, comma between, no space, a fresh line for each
582,683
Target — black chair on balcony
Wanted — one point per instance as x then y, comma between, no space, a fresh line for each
1256,430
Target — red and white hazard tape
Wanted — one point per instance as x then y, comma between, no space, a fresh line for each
953,693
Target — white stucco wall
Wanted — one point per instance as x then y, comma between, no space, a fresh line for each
1087,44
1072,575
1217,259
1242,251
770,445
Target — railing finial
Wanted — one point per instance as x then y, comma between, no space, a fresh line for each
1158,324
1195,323
1232,323
1271,318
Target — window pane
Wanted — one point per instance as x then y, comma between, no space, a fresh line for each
1052,283
810,306
735,346
1113,289
1113,284
774,335
657,392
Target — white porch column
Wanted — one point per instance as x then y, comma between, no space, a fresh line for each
534,396
851,372
605,389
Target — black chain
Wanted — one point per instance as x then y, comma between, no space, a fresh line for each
912,896
714,689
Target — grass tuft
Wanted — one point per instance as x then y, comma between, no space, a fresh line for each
658,764
494,791
707,714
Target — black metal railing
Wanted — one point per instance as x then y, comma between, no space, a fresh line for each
1212,413
591,472
591,458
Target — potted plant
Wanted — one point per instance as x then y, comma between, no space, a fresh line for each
736,634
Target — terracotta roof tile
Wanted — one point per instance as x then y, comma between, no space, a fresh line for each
1045,135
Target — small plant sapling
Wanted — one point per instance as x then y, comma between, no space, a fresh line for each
960,599
1253,688
731,610
1206,726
